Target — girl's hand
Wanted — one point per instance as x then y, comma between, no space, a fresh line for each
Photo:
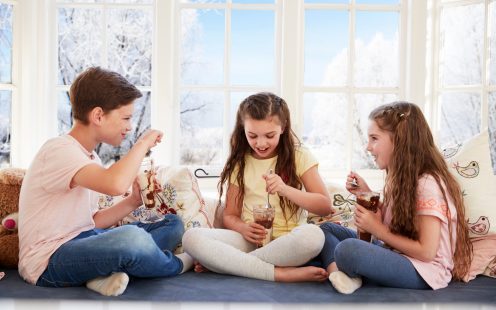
274,184
253,232
151,138
355,183
366,220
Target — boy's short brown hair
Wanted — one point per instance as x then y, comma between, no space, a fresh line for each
97,87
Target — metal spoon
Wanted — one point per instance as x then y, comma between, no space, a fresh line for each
268,202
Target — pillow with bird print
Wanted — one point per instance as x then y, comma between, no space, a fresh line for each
343,203
470,163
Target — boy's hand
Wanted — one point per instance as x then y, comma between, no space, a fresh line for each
135,197
151,138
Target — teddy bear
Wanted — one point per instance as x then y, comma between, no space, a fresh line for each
10,187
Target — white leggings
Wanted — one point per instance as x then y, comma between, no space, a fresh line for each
226,251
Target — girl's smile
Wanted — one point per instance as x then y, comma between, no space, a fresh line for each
263,136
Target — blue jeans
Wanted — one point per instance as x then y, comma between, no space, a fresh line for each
138,249
369,260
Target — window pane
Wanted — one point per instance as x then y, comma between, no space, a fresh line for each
460,117
80,41
376,49
492,62
202,35
327,1
253,1
492,128
5,108
461,59
252,50
201,127
130,1
364,104
236,99
5,43
377,1
203,1
325,129
326,47
108,1
64,114
130,44
140,121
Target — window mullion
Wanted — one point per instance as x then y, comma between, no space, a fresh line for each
485,70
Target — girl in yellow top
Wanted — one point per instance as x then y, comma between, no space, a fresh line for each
262,141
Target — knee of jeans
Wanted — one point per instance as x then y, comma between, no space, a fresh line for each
345,251
138,238
328,227
173,219
312,239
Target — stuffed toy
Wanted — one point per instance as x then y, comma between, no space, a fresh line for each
10,186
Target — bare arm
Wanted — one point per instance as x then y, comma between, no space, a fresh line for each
252,232
108,217
424,249
117,179
315,198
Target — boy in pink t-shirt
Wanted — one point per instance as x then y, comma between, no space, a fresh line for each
64,239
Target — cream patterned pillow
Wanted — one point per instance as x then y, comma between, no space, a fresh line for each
343,203
471,165
179,195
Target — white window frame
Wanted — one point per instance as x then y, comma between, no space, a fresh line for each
13,85
34,98
436,88
294,89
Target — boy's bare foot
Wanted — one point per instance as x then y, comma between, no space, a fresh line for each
300,274
200,268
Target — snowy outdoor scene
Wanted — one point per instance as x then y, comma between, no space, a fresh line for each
333,118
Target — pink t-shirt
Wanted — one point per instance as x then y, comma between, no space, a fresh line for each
437,273
50,212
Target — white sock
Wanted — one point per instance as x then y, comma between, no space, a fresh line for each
187,261
113,285
343,283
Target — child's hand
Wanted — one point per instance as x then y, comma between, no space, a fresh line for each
355,183
366,220
135,197
253,232
274,184
151,138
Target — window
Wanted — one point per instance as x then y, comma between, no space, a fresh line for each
113,34
222,59
6,79
352,52
466,79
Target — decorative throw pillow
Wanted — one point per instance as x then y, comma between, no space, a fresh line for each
179,195
471,165
344,205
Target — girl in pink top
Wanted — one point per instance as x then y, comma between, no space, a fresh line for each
422,236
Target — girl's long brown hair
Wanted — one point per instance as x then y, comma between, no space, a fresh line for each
415,154
259,107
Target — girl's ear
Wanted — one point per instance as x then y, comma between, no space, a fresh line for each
96,115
